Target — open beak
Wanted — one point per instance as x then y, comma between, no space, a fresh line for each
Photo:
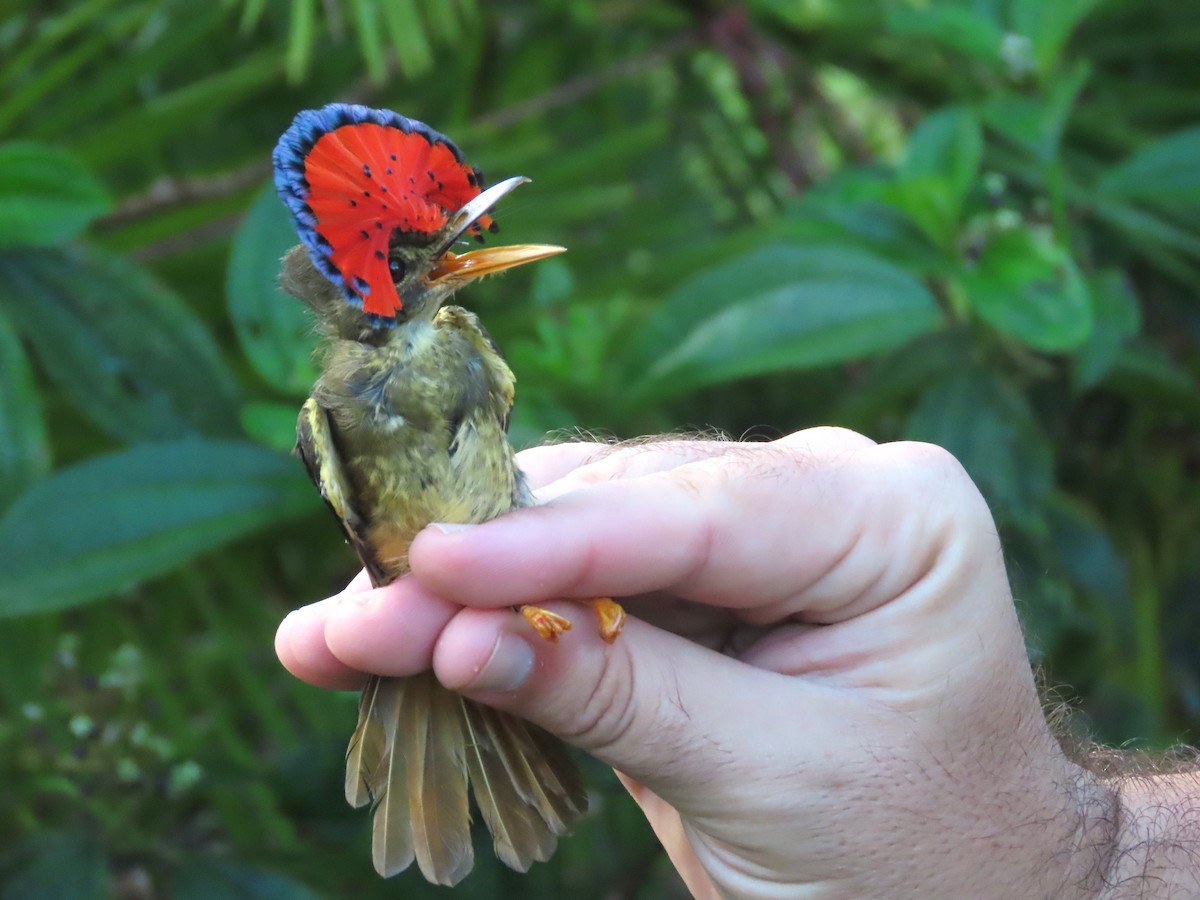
454,267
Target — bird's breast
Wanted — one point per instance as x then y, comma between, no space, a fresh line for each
422,437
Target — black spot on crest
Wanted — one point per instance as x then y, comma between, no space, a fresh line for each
366,234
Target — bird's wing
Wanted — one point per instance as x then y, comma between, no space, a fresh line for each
314,444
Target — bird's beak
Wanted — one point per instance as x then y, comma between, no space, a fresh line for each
460,268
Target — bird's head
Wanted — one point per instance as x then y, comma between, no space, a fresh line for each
379,202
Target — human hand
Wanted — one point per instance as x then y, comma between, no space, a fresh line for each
825,692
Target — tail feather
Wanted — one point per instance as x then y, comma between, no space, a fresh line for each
392,835
368,746
519,832
416,747
434,737
539,769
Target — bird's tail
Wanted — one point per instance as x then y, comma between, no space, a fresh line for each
416,748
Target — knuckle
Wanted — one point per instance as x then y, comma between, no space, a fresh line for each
834,435
607,715
925,465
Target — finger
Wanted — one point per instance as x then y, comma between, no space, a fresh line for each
654,705
387,631
648,455
795,528
596,461
301,648
551,462
634,458
668,827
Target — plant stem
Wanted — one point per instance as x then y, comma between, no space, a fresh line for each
1056,188
1147,635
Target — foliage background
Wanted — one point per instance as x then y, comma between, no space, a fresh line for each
975,222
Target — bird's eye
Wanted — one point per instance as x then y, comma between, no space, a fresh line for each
396,267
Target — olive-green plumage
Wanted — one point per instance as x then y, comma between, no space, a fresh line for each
406,426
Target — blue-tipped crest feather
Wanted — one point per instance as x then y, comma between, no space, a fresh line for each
294,145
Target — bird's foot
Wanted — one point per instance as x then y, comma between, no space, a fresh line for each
609,614
549,625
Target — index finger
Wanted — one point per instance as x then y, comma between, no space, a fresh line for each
550,462
813,526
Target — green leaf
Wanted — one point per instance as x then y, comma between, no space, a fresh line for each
1049,25
24,448
166,115
780,307
66,67
407,35
49,38
274,329
106,524
1116,316
301,34
940,164
204,879
127,74
849,208
129,353
986,423
1168,246
1036,123
57,865
1167,171
1028,287
886,388
271,424
947,145
1090,558
370,38
251,13
954,27
47,196
1149,376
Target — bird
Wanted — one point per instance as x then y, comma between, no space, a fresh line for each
407,424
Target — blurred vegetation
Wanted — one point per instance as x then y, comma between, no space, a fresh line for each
974,222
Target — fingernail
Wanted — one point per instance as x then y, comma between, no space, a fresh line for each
450,527
508,666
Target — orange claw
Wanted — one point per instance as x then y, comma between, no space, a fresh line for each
549,625
611,616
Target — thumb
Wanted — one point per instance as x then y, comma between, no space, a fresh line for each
668,712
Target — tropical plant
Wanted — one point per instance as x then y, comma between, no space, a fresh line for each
975,222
